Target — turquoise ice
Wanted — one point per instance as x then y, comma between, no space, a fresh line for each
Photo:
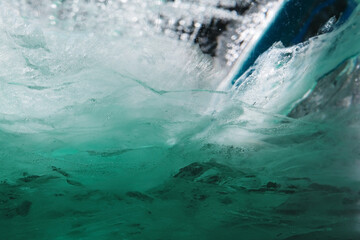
111,131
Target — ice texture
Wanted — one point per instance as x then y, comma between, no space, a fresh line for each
109,131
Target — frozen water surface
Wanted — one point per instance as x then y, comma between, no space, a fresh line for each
114,124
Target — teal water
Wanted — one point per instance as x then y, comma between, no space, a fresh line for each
111,132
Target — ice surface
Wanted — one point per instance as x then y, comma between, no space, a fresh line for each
108,131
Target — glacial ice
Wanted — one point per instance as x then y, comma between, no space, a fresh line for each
109,132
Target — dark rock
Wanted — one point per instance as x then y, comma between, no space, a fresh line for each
299,179
250,176
74,183
24,208
29,178
269,187
59,170
197,172
36,179
192,170
272,185
286,191
212,179
140,196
